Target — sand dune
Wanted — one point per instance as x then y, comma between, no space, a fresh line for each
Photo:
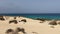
31,26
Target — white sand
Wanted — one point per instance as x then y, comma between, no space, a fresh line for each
30,26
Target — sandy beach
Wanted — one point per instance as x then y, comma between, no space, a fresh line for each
31,26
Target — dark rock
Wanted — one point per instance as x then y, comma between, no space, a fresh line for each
40,19
24,20
21,30
15,21
19,21
1,18
14,17
59,23
18,29
53,23
9,30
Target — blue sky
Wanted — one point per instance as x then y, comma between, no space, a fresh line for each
29,6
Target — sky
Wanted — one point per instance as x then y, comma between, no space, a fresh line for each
29,6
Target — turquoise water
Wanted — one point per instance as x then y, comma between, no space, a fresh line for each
44,16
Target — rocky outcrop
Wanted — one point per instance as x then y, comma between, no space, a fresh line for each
1,18
24,20
21,30
10,31
40,19
13,21
53,23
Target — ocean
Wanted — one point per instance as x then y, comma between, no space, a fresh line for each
33,16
